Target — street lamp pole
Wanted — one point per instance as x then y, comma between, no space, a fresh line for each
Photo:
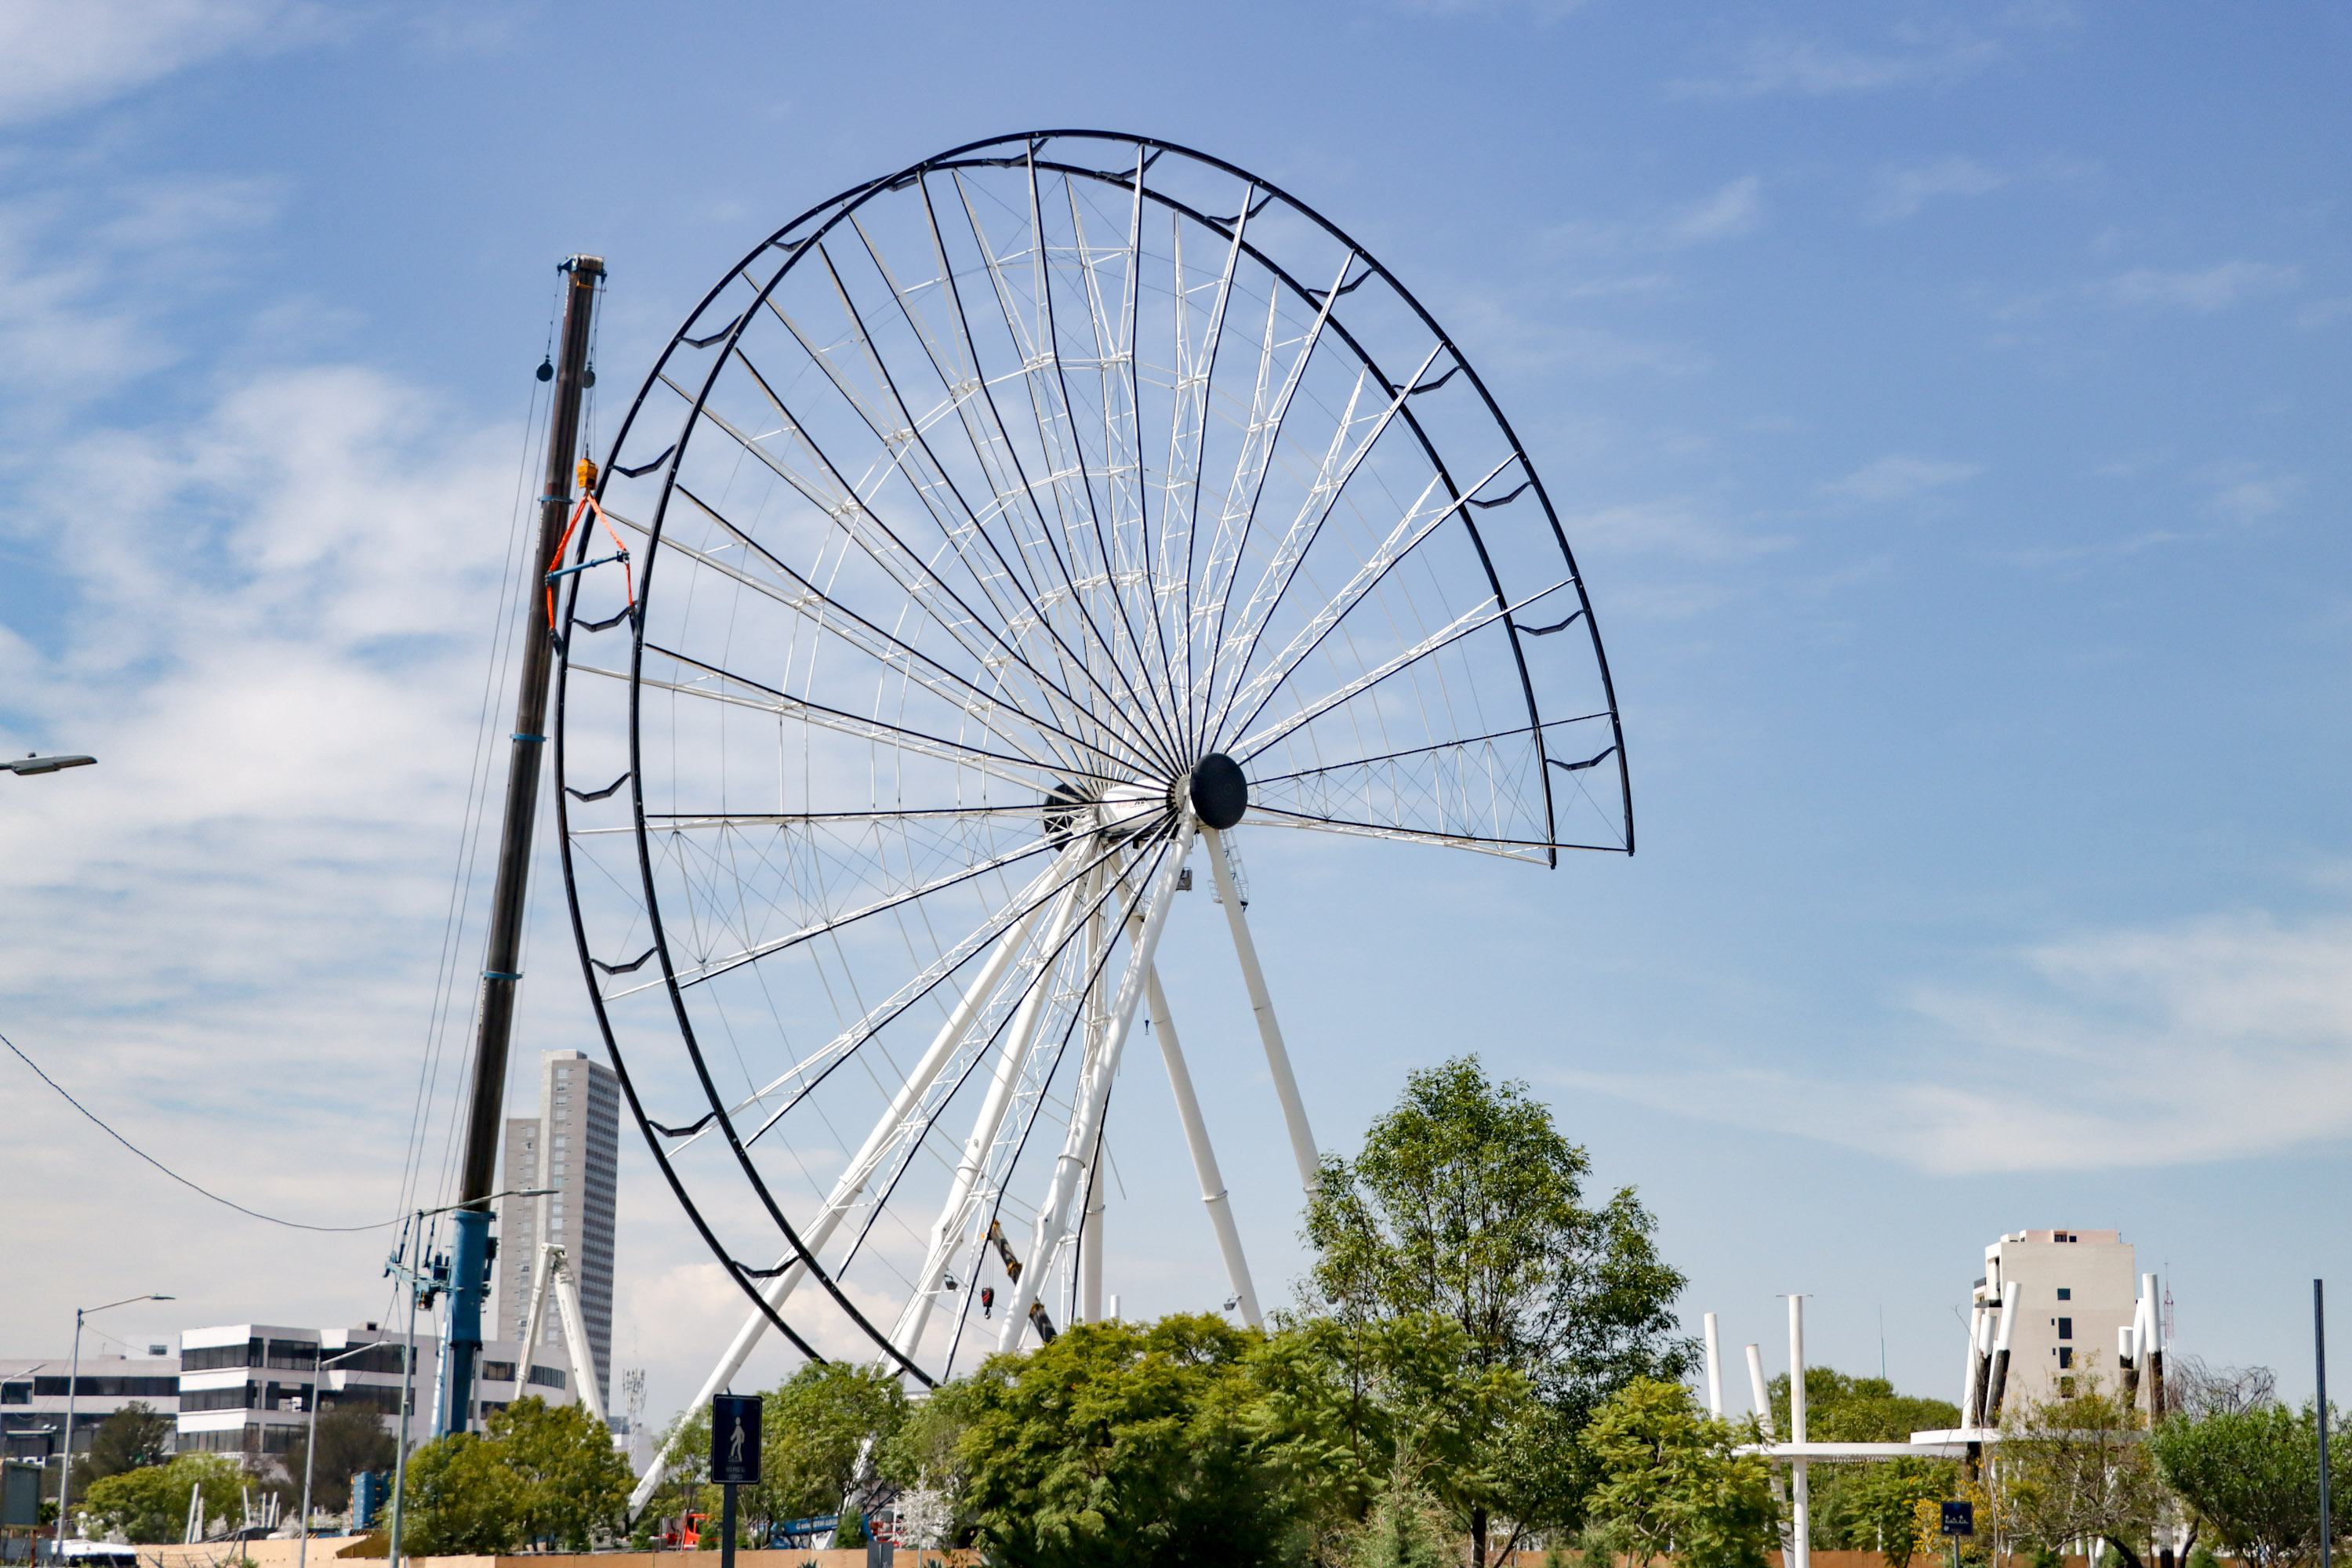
415,1280
73,1382
311,1448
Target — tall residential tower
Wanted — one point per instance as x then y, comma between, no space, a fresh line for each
572,1145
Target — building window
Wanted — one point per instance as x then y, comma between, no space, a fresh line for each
2065,1388
498,1372
2065,1357
548,1376
15,1394
2065,1329
2065,1294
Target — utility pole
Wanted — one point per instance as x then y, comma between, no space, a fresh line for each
470,1262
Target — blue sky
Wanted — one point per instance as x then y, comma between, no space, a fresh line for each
1945,403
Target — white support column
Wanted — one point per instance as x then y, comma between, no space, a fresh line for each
538,1317
1090,1245
860,1171
1278,1058
1762,1395
575,1339
1801,1498
916,1315
1204,1158
1093,1095
1714,1369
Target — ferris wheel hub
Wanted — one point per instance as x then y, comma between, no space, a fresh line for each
1220,794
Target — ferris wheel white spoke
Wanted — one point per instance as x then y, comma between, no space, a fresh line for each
1034,360
1204,1156
1275,582
1468,621
1092,1094
1507,848
1259,442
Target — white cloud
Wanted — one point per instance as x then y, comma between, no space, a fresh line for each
1737,209
1676,526
1898,477
2204,289
60,54
1903,191
2213,1039
1909,52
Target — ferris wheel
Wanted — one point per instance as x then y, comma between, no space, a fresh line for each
998,543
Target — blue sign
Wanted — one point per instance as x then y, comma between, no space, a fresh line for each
735,1439
1960,1518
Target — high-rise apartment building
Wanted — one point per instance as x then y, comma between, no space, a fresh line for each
2076,1289
572,1145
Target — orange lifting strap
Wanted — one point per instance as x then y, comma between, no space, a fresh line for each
586,474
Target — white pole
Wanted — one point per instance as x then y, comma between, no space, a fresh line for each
537,1318
1278,1058
860,1170
1090,1245
1094,1093
907,1333
575,1334
1968,1370
1713,1369
1204,1157
65,1481
1763,1398
1803,1524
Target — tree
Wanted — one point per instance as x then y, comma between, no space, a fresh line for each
133,1438
570,1482
2253,1475
817,1426
1671,1484
351,1440
2075,1468
1122,1445
150,1504
1467,1201
1391,1418
925,1455
461,1500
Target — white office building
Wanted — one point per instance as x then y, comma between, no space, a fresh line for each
2076,1289
572,1145
245,1388
33,1395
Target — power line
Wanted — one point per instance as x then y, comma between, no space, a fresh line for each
127,1144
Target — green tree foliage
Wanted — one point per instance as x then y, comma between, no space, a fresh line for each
813,1428
133,1438
1350,1413
1468,1202
1868,1508
544,1473
1122,1445
2253,1477
149,1503
926,1453
1671,1485
349,1440
2075,1469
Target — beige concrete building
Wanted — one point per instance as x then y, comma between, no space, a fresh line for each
2076,1289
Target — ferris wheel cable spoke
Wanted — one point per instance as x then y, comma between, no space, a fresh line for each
1411,529
1095,1077
1131,313
828,613
1188,421
1469,621
992,764
1061,385
845,506
1275,582
909,438
1024,343
1267,780
1508,848
1255,456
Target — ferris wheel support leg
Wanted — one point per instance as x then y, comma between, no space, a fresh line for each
917,1316
1204,1157
852,1183
1093,1096
1090,1243
1278,1058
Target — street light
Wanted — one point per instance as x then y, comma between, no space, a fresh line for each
310,1445
65,1482
408,1357
32,764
